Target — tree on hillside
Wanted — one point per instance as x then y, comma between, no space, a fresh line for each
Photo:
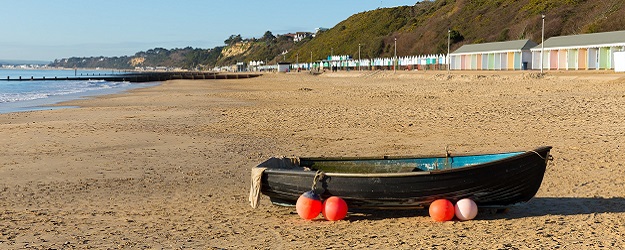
268,36
455,36
233,39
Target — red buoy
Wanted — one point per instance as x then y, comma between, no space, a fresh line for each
334,208
308,205
442,210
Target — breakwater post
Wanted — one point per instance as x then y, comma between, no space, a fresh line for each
141,77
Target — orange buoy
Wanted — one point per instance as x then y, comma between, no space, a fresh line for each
334,208
442,210
308,205
466,209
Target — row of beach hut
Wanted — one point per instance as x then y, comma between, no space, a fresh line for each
404,61
347,62
598,51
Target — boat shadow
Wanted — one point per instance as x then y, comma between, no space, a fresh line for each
538,206
561,206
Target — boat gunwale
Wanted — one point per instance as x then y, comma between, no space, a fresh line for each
301,171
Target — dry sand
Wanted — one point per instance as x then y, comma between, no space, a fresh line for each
169,166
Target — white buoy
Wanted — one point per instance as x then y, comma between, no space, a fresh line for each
466,209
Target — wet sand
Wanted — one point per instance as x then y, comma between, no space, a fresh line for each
169,166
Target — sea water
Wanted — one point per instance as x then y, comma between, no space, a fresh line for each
17,96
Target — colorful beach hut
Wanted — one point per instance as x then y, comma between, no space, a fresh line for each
619,61
511,55
284,67
580,52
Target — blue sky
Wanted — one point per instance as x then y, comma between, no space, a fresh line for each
54,29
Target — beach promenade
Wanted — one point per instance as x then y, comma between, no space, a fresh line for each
169,166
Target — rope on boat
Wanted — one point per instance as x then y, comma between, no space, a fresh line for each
318,176
547,159
541,157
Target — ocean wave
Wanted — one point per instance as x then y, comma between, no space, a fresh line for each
20,97
28,91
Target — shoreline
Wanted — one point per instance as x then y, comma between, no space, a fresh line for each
55,101
168,166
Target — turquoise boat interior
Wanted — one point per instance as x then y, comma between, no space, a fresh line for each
400,165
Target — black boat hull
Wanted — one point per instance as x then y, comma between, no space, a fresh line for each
499,183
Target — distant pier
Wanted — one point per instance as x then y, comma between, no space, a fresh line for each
140,77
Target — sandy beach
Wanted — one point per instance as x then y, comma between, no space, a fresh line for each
168,167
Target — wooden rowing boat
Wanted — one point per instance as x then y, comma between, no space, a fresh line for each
491,180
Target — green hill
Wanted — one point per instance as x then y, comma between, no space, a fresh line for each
419,29
423,28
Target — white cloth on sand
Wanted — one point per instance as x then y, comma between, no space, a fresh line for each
254,198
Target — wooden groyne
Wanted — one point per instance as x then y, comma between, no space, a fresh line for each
141,77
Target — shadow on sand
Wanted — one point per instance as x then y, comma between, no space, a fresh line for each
562,206
539,206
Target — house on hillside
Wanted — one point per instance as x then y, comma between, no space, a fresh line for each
298,36
317,30
511,55
580,52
